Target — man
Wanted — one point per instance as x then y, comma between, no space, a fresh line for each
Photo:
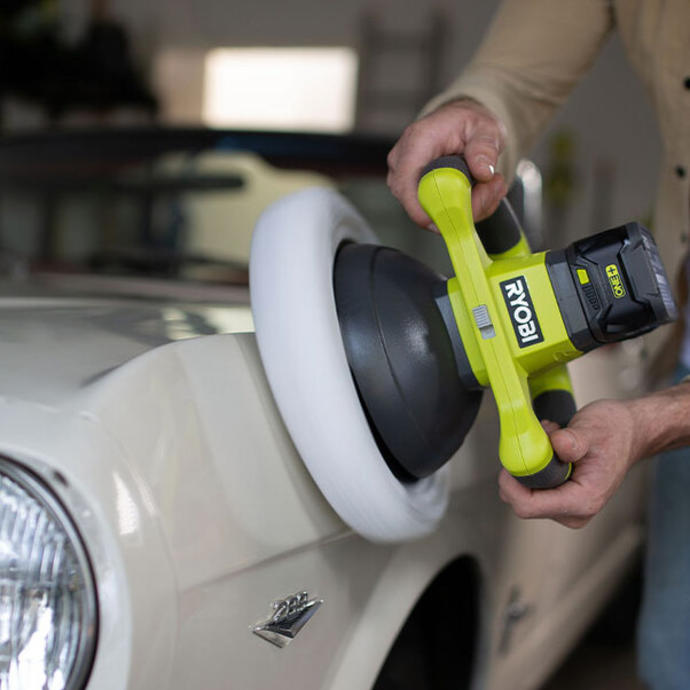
534,53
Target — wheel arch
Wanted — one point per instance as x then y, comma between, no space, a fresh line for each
436,646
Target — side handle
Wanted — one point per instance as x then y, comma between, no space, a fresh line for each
501,233
552,398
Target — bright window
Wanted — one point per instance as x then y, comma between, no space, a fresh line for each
307,89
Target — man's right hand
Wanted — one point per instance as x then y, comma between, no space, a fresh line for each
459,127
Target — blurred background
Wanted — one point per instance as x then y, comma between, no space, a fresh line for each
115,116
142,140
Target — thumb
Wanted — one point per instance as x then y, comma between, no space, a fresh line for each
569,444
482,148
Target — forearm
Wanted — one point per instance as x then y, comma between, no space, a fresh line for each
662,420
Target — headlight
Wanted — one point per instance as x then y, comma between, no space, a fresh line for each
48,609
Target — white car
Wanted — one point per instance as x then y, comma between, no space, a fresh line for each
158,528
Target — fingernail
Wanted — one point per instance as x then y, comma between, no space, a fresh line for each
433,228
483,160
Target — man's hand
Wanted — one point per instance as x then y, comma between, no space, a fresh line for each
603,440
460,127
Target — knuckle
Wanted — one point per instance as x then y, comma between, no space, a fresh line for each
412,131
392,157
485,141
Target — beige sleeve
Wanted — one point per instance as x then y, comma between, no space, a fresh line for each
531,57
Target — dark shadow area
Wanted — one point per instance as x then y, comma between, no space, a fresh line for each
435,649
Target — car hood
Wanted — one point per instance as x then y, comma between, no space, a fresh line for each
55,344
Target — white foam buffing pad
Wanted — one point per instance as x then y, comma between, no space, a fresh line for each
291,283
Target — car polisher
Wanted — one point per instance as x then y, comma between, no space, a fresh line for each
422,348
378,364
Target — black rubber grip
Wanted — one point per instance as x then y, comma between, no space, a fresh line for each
553,475
501,231
556,405
457,162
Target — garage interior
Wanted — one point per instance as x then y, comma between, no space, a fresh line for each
130,72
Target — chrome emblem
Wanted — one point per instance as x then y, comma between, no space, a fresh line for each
290,615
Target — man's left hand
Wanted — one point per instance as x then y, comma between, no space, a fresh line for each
603,440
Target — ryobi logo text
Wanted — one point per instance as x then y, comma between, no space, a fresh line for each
615,281
521,310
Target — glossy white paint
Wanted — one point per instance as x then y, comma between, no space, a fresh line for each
53,347
197,511
227,486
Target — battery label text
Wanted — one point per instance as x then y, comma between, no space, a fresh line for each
615,281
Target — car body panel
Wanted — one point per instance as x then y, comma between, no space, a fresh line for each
198,512
144,405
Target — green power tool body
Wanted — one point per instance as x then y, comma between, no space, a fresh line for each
422,348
